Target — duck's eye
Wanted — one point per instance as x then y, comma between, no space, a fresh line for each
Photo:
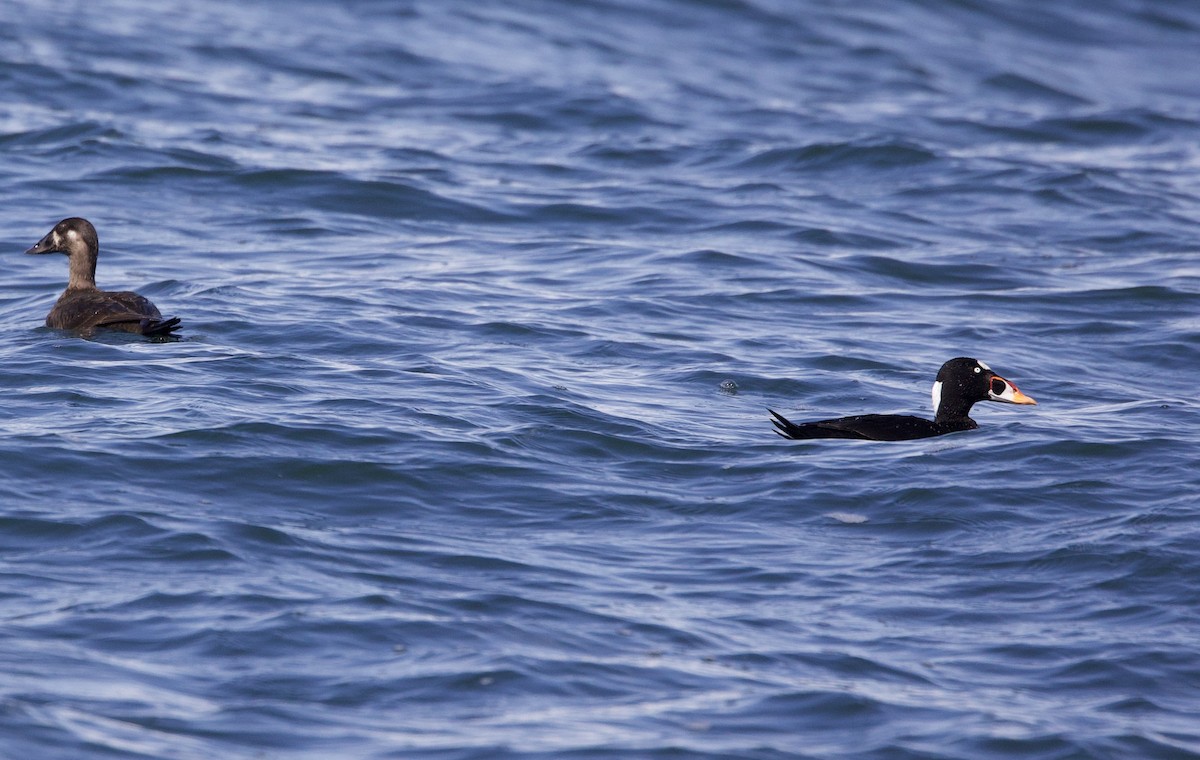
998,386
978,370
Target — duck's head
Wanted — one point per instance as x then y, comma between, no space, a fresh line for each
70,236
963,381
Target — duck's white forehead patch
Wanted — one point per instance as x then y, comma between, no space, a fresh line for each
937,395
981,364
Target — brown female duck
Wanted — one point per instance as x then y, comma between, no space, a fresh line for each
83,307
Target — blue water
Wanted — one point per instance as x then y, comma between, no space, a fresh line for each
464,452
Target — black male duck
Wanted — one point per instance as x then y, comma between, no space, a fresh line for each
959,384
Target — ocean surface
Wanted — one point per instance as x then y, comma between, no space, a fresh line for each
464,451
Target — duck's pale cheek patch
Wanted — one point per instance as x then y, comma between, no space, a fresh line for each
936,395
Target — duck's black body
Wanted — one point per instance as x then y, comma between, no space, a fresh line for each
83,307
960,383
868,427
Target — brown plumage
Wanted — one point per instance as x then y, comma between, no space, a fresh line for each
83,307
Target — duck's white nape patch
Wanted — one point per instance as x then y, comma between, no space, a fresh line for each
936,395
981,364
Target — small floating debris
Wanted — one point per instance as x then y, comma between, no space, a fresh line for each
848,517
728,386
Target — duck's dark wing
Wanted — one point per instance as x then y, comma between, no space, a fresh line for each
148,326
86,310
864,427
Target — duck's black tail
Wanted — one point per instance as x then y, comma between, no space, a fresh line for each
786,427
160,328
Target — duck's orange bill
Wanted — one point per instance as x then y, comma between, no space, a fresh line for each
1018,397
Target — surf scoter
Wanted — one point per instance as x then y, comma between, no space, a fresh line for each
960,383
85,308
